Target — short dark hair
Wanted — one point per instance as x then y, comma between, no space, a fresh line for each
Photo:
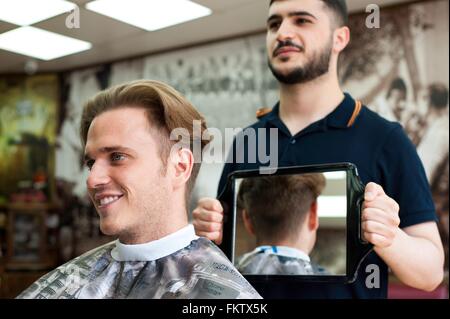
397,84
438,95
278,205
338,7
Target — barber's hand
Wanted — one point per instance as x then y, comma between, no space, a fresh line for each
380,220
208,219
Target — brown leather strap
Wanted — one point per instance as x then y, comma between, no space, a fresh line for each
356,111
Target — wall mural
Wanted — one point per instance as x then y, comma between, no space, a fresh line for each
401,72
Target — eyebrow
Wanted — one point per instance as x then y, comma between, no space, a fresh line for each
109,149
292,14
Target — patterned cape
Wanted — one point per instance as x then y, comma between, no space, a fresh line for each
200,270
262,262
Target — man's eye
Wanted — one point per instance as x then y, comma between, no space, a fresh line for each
89,164
274,25
302,21
117,157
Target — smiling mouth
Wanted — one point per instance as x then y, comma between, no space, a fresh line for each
108,201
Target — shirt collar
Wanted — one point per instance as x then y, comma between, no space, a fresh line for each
283,251
339,118
273,118
342,114
155,249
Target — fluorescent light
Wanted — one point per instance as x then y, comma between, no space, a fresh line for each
150,14
27,12
335,175
40,44
332,206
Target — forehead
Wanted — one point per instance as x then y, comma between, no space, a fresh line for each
297,4
125,126
284,7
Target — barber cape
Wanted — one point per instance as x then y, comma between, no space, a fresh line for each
278,260
180,265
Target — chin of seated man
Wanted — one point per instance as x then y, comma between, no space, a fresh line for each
138,140
281,212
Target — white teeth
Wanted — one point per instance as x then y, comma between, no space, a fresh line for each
108,200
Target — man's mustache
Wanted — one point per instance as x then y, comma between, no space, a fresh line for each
288,43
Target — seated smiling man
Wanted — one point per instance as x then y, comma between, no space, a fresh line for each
140,180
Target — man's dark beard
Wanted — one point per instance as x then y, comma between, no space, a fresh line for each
317,66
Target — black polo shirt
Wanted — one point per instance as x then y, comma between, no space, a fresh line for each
382,153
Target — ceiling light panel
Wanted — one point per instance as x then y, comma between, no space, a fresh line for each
41,44
150,15
27,12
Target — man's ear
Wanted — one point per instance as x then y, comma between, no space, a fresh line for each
248,223
313,218
181,162
341,39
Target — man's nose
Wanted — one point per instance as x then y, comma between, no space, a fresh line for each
98,176
285,31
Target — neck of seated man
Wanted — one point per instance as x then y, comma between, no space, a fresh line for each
167,221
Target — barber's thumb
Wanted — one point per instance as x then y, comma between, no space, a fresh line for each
371,191
216,206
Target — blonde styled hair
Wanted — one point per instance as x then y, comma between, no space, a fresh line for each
166,110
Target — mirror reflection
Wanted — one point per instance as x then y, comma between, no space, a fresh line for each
291,224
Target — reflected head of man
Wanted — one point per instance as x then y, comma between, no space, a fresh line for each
282,210
140,175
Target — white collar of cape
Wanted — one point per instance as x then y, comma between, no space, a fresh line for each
282,251
155,249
